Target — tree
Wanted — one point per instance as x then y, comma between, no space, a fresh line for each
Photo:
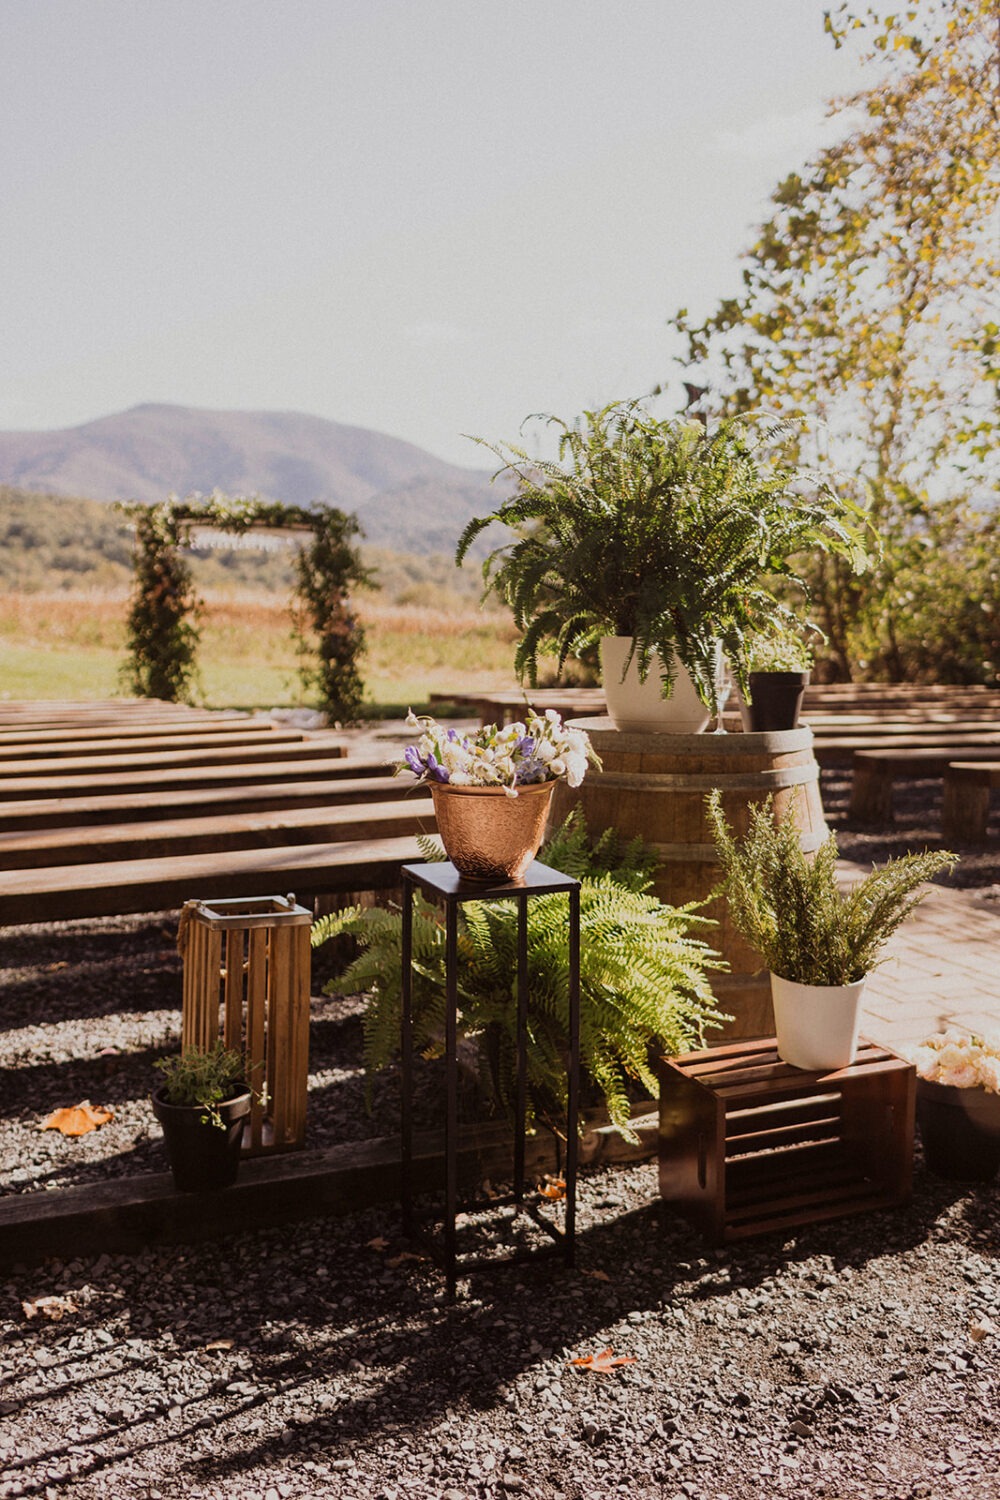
865,312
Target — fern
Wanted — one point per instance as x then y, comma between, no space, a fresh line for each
792,910
656,530
644,985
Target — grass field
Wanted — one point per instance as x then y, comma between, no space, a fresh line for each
72,645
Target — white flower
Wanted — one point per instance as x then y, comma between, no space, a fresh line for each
958,1060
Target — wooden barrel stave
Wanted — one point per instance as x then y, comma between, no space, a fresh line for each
655,785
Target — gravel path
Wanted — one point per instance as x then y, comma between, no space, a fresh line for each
855,1359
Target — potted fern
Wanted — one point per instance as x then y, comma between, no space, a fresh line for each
203,1104
819,942
644,987
659,542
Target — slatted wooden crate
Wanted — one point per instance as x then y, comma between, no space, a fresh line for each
750,1144
246,980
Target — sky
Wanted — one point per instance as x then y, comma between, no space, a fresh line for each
426,217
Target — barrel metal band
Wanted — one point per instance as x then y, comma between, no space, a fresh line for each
654,781
707,854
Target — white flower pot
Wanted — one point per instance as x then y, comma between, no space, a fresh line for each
638,707
816,1025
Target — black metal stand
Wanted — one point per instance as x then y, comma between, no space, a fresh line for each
441,882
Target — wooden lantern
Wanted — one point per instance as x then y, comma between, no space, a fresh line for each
246,981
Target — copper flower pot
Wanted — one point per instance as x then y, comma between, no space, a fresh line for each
488,835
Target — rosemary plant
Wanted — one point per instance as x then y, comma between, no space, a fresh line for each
792,910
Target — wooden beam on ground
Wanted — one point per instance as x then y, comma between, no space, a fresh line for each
965,802
123,1215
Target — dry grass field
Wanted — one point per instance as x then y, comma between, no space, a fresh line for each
72,645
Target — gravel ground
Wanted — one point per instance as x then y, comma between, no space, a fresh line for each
851,1360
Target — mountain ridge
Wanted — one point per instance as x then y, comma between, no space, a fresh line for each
403,496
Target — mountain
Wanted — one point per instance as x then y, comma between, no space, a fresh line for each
404,497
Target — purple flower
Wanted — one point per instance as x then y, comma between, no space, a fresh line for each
412,757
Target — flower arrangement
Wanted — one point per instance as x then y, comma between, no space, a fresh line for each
539,750
963,1062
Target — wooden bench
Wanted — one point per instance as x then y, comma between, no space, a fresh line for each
965,805
182,778
67,892
169,838
40,747
352,785
876,771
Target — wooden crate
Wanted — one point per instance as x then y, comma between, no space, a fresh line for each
749,1144
246,980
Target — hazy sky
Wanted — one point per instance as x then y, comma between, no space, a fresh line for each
429,217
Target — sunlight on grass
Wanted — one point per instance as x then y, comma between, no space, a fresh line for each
64,645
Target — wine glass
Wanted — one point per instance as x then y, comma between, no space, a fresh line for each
723,683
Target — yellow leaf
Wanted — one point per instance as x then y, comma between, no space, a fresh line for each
79,1119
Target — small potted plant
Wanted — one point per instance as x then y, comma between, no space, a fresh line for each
657,541
492,788
777,666
819,942
203,1105
958,1105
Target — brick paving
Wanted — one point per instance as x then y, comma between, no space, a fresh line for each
943,970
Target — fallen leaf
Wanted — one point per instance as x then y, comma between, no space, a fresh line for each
397,1260
603,1362
982,1329
597,1275
50,1307
378,1243
218,1344
78,1120
554,1188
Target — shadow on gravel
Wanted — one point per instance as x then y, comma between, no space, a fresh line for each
398,1357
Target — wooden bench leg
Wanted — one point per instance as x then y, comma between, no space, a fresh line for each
871,794
965,811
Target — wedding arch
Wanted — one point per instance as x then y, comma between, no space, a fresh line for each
164,608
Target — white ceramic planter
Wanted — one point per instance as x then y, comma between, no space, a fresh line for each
816,1025
638,707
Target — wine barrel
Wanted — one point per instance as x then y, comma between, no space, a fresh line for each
655,785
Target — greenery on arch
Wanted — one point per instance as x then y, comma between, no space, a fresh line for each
163,618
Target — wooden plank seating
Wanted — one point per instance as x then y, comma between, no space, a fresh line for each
121,821
153,781
64,892
203,835
965,805
877,770
37,747
349,785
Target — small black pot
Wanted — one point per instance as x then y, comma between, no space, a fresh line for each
776,698
202,1157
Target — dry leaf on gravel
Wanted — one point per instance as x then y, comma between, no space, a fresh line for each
378,1243
603,1362
52,1308
218,1344
596,1275
404,1255
554,1188
982,1329
79,1119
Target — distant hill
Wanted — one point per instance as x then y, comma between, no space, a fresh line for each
404,498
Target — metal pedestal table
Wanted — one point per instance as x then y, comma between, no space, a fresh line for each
441,882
